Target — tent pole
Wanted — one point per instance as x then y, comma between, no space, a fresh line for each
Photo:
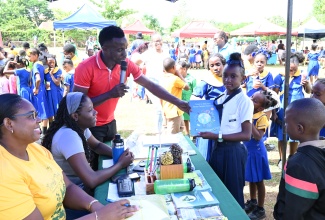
63,37
54,39
287,76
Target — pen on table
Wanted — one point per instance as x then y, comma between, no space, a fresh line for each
111,201
151,159
147,165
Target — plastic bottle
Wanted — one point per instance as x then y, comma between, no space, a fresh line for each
118,148
173,185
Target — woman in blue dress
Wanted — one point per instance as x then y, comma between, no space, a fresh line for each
39,96
24,74
53,84
298,83
210,87
260,79
192,56
313,65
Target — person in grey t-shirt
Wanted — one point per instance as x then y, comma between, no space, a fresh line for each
70,142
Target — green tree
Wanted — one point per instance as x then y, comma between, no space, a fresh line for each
112,9
35,11
319,10
152,23
278,20
59,14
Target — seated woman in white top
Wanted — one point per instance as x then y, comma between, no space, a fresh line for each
70,142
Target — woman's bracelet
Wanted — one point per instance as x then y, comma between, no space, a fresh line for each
96,216
91,203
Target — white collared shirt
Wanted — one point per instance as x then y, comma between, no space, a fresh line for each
236,111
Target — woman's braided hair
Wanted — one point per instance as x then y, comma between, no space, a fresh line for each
63,118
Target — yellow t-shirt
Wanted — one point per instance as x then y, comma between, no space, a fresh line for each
13,52
75,60
262,123
25,185
174,85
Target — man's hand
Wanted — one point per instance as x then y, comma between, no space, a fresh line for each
119,90
184,106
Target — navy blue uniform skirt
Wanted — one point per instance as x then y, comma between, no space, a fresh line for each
228,160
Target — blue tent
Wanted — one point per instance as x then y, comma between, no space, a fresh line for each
84,18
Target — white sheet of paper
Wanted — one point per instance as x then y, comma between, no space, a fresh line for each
112,192
108,163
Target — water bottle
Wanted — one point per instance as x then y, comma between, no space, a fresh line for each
118,148
163,187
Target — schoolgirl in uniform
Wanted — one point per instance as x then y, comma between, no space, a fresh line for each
257,167
24,74
297,84
39,97
210,87
313,65
53,83
261,78
229,155
192,56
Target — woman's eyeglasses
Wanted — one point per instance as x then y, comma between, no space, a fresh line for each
32,115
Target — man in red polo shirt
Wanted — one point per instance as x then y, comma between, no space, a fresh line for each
99,78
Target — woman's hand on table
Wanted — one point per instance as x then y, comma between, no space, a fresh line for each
117,210
126,158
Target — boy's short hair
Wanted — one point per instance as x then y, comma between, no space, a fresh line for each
303,107
69,48
168,63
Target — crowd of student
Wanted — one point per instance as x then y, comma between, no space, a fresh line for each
241,154
57,177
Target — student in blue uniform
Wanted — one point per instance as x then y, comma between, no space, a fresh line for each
192,56
313,65
210,87
297,84
68,80
261,79
172,52
257,167
229,155
318,92
53,83
39,98
24,74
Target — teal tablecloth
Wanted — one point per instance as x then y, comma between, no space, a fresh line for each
228,205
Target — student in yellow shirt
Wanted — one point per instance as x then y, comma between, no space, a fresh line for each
174,83
70,50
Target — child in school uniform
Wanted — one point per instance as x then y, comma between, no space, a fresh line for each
24,74
229,155
261,78
68,79
53,83
318,92
174,83
182,68
302,186
313,66
210,87
257,167
297,84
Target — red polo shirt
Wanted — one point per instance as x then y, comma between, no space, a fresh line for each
93,74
